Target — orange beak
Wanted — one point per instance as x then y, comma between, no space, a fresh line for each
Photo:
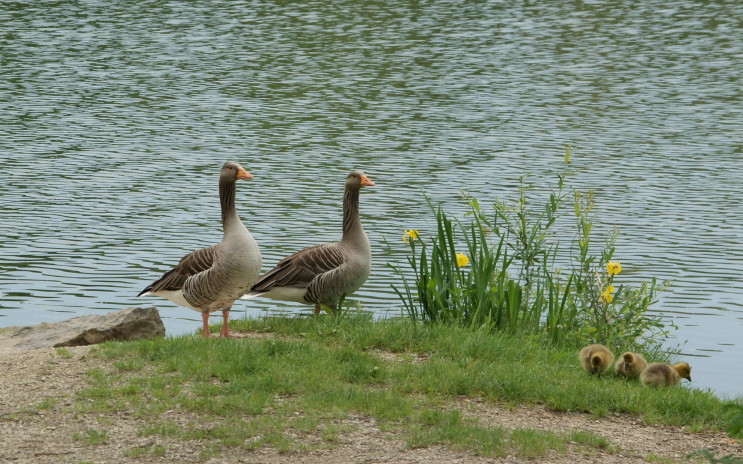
243,174
366,182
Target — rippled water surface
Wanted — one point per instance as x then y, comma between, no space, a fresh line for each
116,116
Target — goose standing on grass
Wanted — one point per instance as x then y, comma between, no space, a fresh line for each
322,274
212,278
630,365
596,358
665,375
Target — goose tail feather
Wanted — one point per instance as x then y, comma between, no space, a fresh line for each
144,292
250,295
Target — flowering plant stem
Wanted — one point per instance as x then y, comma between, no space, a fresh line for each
509,278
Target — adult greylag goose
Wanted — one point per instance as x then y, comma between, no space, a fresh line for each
322,274
212,278
596,358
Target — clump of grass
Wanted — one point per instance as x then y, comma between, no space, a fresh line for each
506,270
47,403
735,429
532,443
330,432
63,353
449,428
91,437
711,456
145,451
588,439
660,460
164,429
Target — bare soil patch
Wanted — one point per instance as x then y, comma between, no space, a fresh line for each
33,434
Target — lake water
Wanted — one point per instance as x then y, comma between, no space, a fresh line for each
116,116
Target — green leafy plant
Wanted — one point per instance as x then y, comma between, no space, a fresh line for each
515,275
608,314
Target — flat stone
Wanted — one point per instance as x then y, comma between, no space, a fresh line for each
127,324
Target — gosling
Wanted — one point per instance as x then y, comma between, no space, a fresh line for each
630,365
665,375
596,359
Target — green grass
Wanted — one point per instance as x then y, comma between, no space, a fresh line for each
91,437
315,372
145,451
711,457
660,460
581,437
47,403
64,353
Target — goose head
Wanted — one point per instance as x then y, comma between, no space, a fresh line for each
629,358
684,370
357,179
597,363
232,171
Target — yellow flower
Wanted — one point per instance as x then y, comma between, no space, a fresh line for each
462,260
411,234
606,297
609,289
613,268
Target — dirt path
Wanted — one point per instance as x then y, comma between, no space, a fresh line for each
29,434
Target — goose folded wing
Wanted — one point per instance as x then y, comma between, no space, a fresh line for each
190,265
301,268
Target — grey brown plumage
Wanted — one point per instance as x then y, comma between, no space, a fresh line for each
665,375
212,278
596,358
322,274
190,265
630,365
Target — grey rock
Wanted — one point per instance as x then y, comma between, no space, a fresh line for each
127,324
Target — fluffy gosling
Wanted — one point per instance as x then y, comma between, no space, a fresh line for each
630,365
596,359
665,375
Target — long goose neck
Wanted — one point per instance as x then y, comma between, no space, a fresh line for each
351,222
227,201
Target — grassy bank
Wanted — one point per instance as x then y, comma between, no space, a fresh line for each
296,376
